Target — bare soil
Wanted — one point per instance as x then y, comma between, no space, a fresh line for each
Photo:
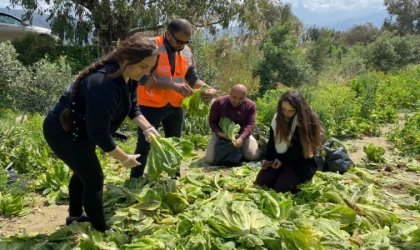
42,219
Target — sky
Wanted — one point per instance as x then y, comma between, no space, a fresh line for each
338,14
328,6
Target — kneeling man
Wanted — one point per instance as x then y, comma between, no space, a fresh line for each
240,110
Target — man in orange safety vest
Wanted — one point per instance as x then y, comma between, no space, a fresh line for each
175,77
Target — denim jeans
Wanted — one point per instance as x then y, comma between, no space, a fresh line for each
171,119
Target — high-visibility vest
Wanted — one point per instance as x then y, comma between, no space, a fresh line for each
157,98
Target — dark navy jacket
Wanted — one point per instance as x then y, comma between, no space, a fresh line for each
99,107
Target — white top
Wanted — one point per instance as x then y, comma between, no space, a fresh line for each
282,146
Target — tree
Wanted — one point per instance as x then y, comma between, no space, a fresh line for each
257,16
115,19
404,16
312,33
320,50
364,34
283,61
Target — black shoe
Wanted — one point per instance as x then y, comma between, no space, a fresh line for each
177,175
82,218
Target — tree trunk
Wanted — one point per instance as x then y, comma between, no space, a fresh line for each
105,41
22,119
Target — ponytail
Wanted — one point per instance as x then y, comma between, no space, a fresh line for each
130,51
66,115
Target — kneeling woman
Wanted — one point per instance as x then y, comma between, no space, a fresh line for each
295,136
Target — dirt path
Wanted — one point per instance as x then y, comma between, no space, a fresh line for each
42,219
46,219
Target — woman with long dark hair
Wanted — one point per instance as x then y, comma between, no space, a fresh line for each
89,113
295,136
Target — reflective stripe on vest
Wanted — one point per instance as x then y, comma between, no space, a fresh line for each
153,97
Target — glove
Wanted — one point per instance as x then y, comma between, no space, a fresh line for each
131,161
150,130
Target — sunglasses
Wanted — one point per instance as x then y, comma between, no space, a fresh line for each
179,42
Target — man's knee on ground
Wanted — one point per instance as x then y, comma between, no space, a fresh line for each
209,158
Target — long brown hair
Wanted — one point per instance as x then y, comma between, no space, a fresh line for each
309,126
130,51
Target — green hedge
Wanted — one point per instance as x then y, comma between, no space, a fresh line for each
33,48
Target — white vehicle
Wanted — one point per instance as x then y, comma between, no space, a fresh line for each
12,27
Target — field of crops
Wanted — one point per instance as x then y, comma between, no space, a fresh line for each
375,205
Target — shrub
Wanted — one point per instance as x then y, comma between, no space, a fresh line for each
47,82
23,147
32,48
390,52
267,105
366,87
336,107
12,72
224,63
407,137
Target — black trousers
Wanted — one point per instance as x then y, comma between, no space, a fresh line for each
282,179
86,184
171,118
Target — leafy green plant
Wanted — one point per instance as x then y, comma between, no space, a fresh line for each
166,155
229,127
24,148
195,105
13,204
366,87
196,125
337,109
230,212
374,153
199,141
397,90
407,138
414,191
55,183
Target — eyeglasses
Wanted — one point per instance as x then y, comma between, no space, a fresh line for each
179,42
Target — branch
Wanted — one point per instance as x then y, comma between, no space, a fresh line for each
141,29
205,25
143,2
151,2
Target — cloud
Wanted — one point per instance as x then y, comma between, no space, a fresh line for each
322,6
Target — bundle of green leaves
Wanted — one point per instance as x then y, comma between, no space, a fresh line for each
166,155
229,127
374,153
194,105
